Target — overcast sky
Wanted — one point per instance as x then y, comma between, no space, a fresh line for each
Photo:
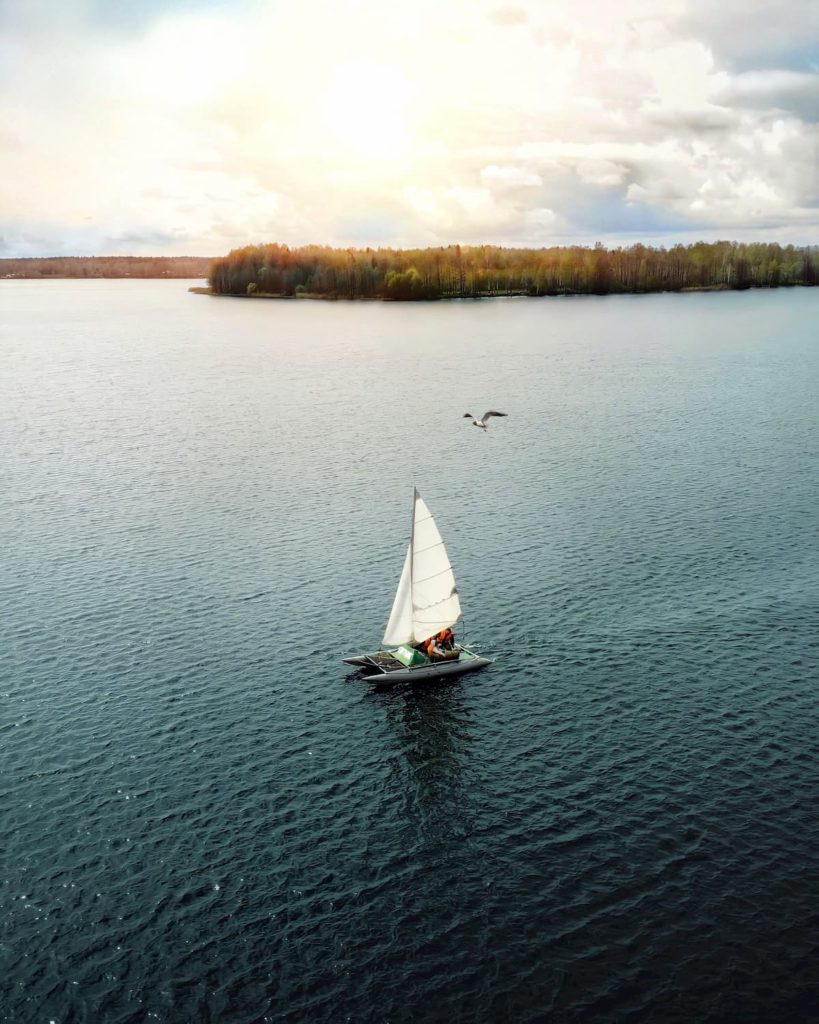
181,127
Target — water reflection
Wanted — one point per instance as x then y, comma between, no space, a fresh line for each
432,765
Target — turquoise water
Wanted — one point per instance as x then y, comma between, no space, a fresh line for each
204,504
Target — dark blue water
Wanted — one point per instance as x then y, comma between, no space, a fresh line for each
205,503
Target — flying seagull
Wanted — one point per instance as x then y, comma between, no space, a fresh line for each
482,421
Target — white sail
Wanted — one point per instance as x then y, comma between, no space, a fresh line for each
399,628
427,598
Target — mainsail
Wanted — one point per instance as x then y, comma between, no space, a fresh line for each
427,598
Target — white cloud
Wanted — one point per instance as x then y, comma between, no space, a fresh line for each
772,89
508,15
203,130
509,177
602,172
747,34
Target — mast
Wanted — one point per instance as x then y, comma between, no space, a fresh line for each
412,545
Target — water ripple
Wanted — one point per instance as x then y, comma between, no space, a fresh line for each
206,819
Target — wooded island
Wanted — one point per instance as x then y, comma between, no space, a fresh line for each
476,271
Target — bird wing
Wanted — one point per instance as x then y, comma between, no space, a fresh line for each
467,416
492,412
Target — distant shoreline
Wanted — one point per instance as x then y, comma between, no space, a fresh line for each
46,268
317,296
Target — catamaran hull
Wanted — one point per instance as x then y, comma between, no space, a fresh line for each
384,673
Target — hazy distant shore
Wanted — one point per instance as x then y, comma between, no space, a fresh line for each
45,267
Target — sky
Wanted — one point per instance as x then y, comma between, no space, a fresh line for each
175,127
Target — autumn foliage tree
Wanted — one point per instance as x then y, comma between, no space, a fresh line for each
477,271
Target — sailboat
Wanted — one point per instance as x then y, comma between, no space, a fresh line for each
426,603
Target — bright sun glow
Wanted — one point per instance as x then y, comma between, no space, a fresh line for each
198,126
189,59
365,108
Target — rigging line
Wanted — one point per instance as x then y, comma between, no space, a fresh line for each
432,604
431,607
431,622
438,543
437,601
426,579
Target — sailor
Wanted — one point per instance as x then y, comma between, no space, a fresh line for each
446,639
433,650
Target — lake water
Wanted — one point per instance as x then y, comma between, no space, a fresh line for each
204,504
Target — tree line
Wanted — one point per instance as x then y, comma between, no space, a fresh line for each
457,271
106,266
